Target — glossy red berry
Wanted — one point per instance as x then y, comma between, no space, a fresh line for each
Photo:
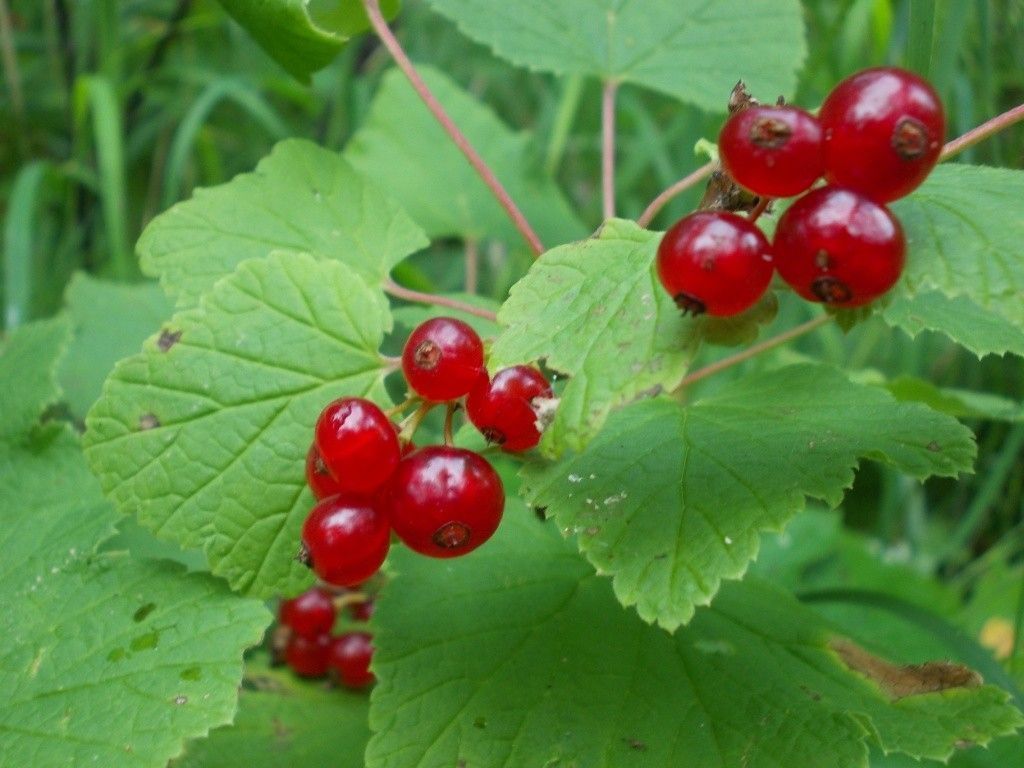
883,132
714,262
350,658
362,611
318,478
345,540
501,408
310,614
772,151
838,247
442,359
357,444
444,501
308,657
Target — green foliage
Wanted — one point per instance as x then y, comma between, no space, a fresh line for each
204,434
667,45
26,364
403,149
670,500
524,658
303,36
109,322
594,311
300,199
134,655
283,721
961,242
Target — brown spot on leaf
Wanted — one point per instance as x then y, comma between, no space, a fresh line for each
934,447
636,745
167,339
148,421
901,681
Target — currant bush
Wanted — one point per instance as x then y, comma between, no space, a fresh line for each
357,444
502,407
345,539
310,614
349,659
442,359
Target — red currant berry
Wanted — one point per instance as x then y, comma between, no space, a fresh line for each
308,657
317,476
310,614
714,262
883,132
838,247
350,657
358,444
362,611
501,408
442,359
444,501
772,151
345,540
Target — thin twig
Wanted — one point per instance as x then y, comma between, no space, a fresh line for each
449,415
982,132
380,26
676,189
400,292
11,70
472,265
761,207
749,352
611,88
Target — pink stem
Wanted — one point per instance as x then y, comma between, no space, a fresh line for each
749,352
982,132
380,26
678,188
396,290
608,147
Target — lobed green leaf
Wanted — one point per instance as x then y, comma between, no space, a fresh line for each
524,658
694,50
671,499
300,199
203,435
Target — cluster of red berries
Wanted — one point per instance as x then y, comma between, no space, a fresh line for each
439,500
877,136
304,639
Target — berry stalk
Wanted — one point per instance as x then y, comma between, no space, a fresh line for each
400,292
982,132
678,188
380,26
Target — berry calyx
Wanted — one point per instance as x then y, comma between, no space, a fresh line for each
714,262
309,615
445,501
501,408
362,611
308,657
442,359
772,151
357,444
838,247
883,132
345,540
318,478
350,657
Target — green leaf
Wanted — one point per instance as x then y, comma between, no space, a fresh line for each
982,331
691,49
299,199
110,321
106,660
303,36
671,500
205,438
595,311
965,229
401,147
283,721
524,658
28,361
961,403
